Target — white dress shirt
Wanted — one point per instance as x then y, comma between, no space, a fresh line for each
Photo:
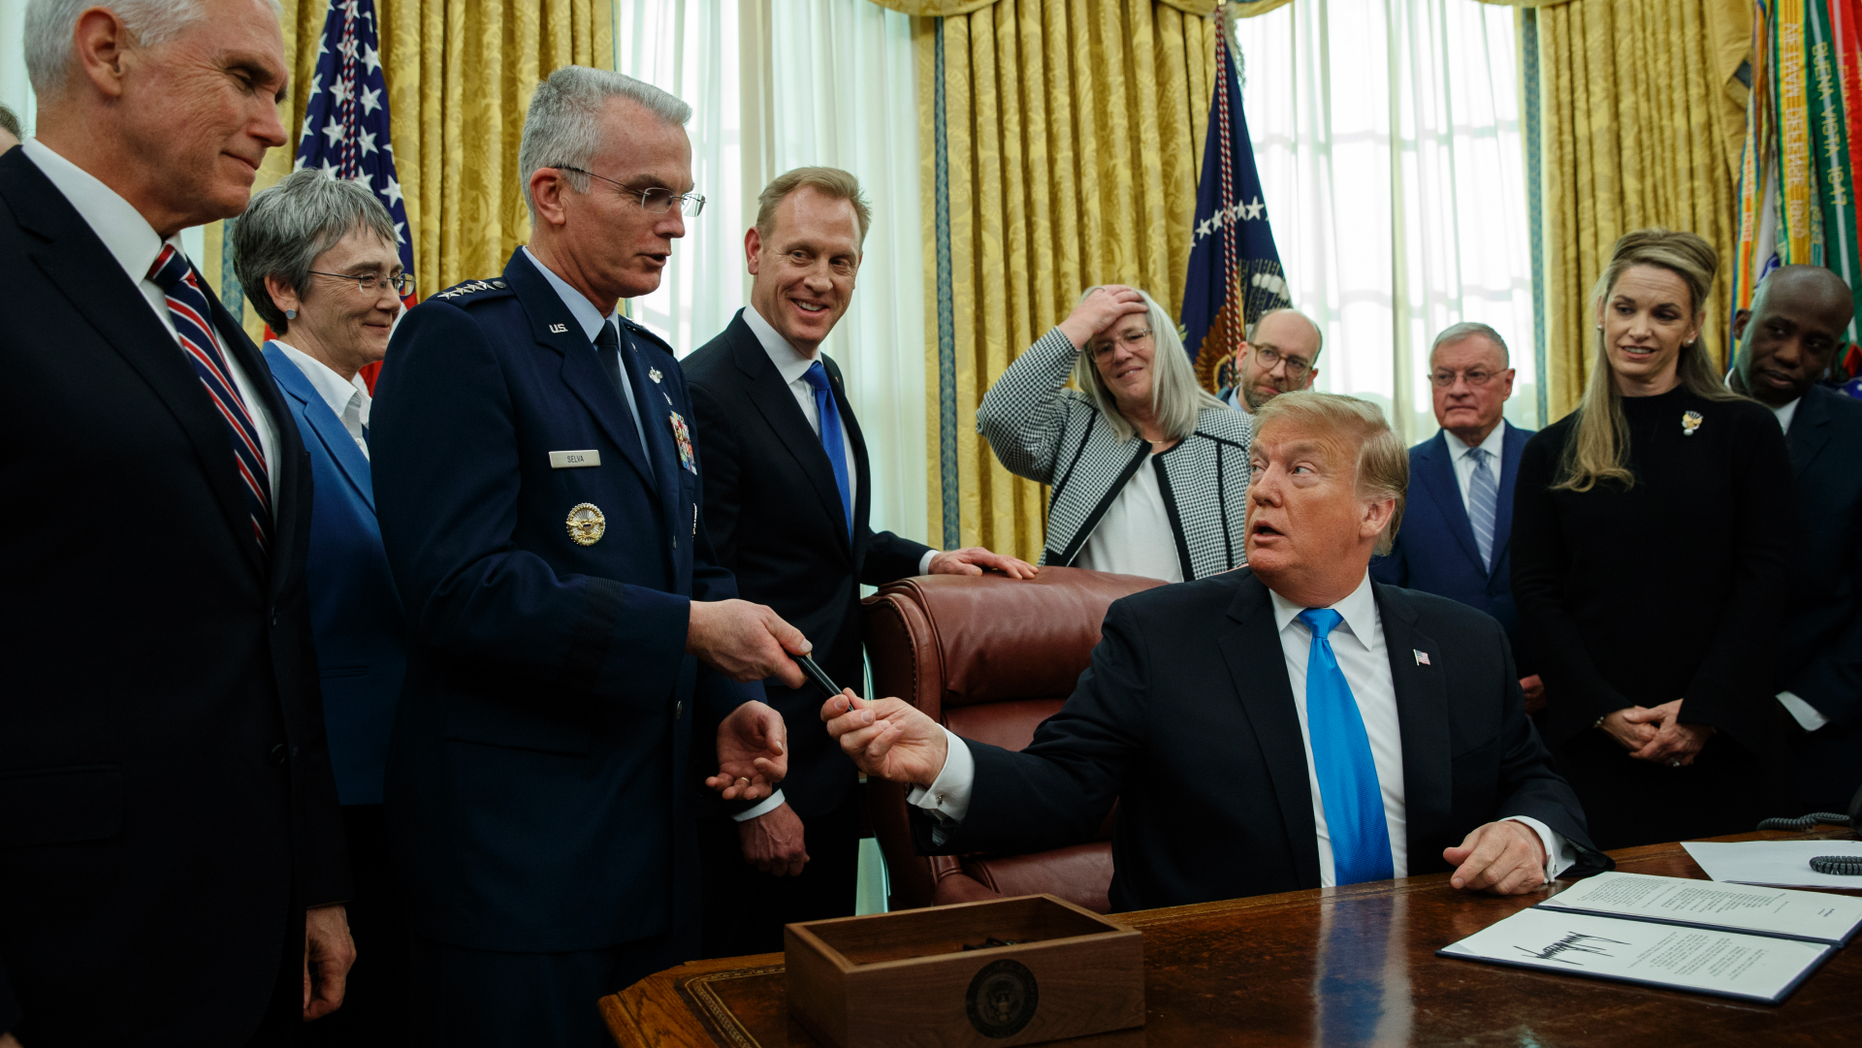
348,399
1133,536
1366,666
592,320
1807,716
135,245
1462,453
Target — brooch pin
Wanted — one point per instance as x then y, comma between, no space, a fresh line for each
586,524
653,373
1690,421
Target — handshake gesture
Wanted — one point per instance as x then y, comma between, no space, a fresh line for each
887,739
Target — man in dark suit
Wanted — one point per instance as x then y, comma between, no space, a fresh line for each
170,845
1789,338
786,501
1284,726
574,646
1459,513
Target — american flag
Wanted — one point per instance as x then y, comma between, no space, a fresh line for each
346,120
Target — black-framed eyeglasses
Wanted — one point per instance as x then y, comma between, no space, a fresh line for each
373,283
1476,377
1271,357
655,199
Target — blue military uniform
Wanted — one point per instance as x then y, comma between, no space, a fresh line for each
553,734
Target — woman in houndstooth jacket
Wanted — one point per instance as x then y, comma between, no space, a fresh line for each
1137,403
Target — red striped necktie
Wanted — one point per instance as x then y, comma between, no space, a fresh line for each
187,307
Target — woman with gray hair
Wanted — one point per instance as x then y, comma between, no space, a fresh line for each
1137,406
318,259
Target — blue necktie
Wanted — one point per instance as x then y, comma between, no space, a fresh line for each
1483,497
1341,758
831,442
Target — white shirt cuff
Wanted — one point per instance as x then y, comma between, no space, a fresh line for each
1559,855
948,796
770,804
1806,715
924,562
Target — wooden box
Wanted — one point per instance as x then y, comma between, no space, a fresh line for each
904,978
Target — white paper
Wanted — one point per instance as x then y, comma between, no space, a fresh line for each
1783,863
1733,907
1730,964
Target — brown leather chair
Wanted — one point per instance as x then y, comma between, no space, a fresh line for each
990,658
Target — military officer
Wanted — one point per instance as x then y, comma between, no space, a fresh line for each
573,643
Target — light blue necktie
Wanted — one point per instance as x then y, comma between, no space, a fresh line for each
831,442
1341,758
1483,496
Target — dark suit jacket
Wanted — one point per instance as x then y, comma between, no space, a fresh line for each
355,613
1820,639
1435,549
166,806
776,518
1187,719
541,780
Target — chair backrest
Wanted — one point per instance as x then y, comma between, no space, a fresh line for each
990,658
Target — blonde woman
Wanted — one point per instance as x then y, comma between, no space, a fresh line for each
1149,471
1650,544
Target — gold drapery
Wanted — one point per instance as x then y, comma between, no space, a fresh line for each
950,8
1060,144
460,74
1640,122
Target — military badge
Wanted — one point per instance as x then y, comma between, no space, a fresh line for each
653,373
586,524
684,437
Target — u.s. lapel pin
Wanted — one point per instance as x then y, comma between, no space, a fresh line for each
558,329
1422,657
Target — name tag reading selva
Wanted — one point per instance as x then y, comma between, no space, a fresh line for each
575,459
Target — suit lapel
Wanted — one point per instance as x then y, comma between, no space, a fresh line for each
1437,478
1258,666
1422,716
1511,448
777,405
323,422
656,426
1808,434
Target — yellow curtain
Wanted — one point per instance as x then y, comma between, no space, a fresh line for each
460,74
1060,144
948,8
1640,122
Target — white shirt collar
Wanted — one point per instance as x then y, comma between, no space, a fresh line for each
125,233
1358,609
580,307
1785,412
789,361
332,387
1493,445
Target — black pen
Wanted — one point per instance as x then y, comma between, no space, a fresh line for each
817,674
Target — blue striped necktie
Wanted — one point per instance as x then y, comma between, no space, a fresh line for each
1483,498
187,307
1342,762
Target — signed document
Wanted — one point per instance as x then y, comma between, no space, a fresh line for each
1681,957
1811,916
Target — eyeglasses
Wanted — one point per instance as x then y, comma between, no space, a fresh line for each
1130,340
1476,377
1270,357
655,199
373,283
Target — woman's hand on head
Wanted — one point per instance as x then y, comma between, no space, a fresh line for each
1099,311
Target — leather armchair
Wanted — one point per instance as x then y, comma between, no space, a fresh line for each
990,658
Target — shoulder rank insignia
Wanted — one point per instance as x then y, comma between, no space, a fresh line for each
471,287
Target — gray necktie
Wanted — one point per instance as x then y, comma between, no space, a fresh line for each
352,421
1483,497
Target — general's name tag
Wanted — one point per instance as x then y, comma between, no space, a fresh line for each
575,459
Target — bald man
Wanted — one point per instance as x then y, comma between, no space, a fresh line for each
1787,342
1280,355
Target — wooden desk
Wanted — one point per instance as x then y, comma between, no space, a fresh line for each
1336,966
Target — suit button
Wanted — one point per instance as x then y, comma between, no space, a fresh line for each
678,708
276,757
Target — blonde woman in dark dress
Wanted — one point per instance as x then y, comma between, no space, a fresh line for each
1650,545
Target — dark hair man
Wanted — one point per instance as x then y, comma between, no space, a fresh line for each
1788,340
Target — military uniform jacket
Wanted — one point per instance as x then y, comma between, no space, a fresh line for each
541,781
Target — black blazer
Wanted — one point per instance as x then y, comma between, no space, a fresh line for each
1187,719
775,517
166,803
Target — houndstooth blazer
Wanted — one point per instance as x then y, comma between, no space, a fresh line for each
1045,432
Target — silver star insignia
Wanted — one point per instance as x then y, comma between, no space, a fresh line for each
653,373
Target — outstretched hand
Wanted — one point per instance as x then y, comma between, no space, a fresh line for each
753,753
1099,310
1505,858
887,739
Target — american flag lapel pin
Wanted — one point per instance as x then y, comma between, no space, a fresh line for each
1422,657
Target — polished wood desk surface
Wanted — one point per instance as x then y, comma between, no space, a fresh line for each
1334,966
